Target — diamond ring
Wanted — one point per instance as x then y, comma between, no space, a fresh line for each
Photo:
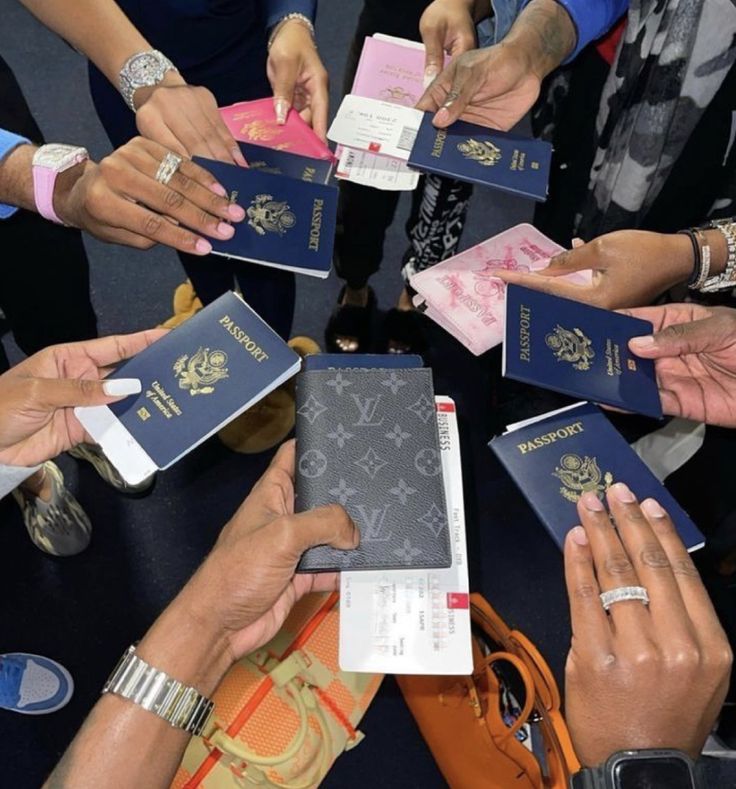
169,165
624,593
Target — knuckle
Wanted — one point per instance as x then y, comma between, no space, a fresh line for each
618,564
205,219
152,224
87,387
684,657
654,556
645,656
173,199
585,592
685,567
674,331
184,183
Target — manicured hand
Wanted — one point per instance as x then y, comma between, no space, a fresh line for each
38,396
640,676
247,586
184,118
694,349
298,78
120,201
446,26
630,268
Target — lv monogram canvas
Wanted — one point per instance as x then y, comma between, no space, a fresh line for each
367,439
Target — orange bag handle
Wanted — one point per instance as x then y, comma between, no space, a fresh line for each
509,731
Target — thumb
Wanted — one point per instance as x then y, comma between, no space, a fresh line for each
579,258
286,73
71,392
329,525
433,40
679,339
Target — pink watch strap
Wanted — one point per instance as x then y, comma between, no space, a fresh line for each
44,179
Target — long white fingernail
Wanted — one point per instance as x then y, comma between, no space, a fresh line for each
429,75
281,108
120,387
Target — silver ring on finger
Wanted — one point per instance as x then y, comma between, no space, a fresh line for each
453,95
169,165
621,593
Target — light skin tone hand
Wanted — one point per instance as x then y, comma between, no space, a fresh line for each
497,86
119,200
640,676
298,78
446,26
630,268
235,602
39,395
694,352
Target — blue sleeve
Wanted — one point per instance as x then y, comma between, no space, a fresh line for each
9,141
592,18
278,9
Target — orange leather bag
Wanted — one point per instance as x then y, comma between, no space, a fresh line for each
462,721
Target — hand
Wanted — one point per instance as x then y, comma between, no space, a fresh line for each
446,26
497,86
247,586
184,118
120,201
297,76
694,349
630,268
641,676
38,396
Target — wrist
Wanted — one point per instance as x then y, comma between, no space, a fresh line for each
172,79
292,22
65,198
546,34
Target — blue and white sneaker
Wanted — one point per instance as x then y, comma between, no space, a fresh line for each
33,684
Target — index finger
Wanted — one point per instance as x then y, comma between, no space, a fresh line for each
105,351
535,281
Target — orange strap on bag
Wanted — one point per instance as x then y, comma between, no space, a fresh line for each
460,717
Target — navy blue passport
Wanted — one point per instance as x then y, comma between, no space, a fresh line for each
579,350
362,361
194,381
289,224
292,165
468,152
557,457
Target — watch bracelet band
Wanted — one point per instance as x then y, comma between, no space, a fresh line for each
128,87
727,279
181,706
296,16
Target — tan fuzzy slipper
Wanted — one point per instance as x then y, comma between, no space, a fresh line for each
186,304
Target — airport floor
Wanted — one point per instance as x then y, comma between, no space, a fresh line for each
85,610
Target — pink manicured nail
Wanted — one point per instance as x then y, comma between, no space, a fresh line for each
653,508
623,493
642,342
591,502
236,212
239,158
578,536
281,108
203,247
441,117
219,189
226,230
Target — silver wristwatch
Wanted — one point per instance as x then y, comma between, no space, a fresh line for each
143,70
179,705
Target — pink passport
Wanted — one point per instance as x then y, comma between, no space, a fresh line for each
461,294
255,122
390,72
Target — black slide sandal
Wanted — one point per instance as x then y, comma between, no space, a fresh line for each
348,320
402,331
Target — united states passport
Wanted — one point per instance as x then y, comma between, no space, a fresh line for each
289,223
292,165
579,350
368,439
194,381
468,152
557,457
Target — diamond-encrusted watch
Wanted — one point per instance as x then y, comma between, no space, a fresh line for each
179,705
143,70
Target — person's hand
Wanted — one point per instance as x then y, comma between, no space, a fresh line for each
119,200
640,676
184,118
446,26
497,86
694,349
38,396
630,269
298,78
247,586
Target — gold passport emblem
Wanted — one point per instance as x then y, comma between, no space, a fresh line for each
571,346
201,371
266,215
485,153
581,475
396,94
261,130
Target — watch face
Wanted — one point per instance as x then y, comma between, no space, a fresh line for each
58,157
654,773
145,69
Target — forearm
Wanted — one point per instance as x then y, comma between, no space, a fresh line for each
545,31
97,28
121,744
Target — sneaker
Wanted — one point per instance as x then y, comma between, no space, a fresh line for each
58,526
32,684
94,455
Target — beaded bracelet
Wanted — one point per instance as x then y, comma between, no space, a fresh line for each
296,17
